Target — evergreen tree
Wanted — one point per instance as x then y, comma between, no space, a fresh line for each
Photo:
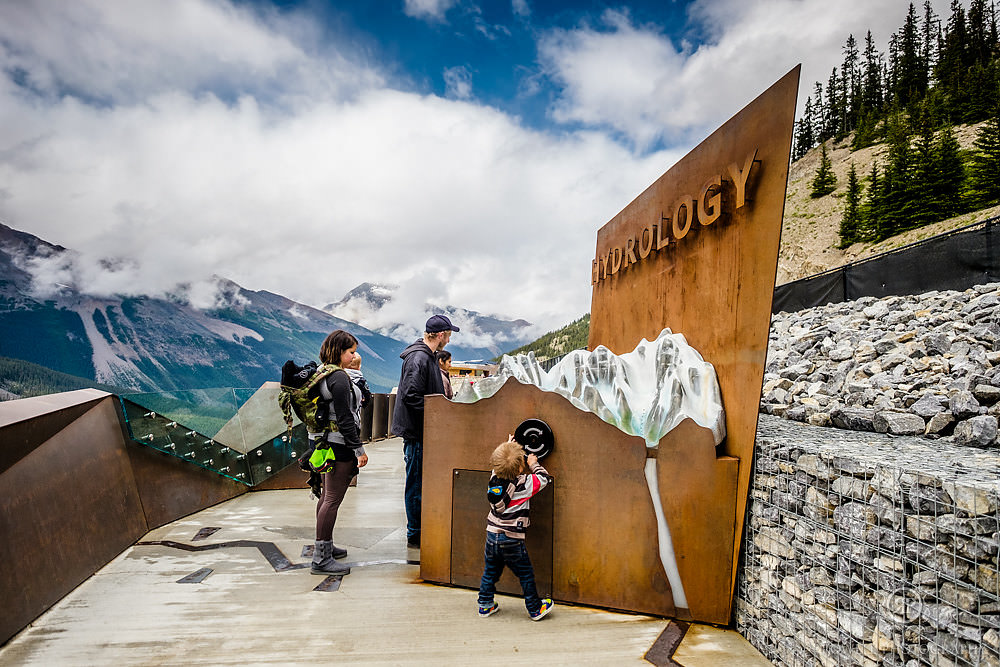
850,81
952,63
871,96
985,170
910,77
872,227
947,175
804,132
929,39
834,105
819,123
898,186
825,181
921,201
850,221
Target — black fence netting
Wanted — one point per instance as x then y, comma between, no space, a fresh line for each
956,260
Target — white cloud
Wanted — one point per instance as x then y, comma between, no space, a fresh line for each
458,82
195,138
636,81
454,200
431,10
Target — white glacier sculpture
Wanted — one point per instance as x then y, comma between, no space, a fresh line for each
646,392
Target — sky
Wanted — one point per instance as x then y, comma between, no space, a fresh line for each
467,150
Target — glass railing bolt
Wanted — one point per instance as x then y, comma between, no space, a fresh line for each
150,415
191,434
267,469
148,436
171,445
172,425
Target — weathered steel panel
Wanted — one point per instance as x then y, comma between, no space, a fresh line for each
468,530
603,525
66,508
711,282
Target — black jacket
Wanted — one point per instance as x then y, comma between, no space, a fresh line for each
420,376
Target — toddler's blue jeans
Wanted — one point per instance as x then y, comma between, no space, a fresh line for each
502,550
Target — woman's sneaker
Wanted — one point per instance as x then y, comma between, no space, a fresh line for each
489,611
546,607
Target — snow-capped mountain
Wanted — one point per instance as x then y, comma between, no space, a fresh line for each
141,343
380,308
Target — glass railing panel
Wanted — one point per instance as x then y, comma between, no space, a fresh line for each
239,433
171,436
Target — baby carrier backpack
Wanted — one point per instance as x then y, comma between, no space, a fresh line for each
300,395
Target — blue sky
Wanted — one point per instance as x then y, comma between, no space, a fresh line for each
467,150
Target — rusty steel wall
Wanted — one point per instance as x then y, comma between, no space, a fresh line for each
603,531
75,492
711,282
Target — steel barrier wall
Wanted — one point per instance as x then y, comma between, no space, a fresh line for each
956,260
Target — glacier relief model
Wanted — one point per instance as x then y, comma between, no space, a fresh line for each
646,392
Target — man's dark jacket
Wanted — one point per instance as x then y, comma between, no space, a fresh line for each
419,377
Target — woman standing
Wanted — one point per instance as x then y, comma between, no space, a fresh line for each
343,399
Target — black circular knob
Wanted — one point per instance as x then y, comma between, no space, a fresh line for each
535,436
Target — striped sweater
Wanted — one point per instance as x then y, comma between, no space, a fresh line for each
510,501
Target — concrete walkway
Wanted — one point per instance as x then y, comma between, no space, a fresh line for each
243,602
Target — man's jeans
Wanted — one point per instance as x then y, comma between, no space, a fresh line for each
502,550
413,457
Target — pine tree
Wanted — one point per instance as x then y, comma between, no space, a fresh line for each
897,189
948,175
985,171
871,96
850,221
804,132
911,77
921,201
850,82
952,63
872,227
825,180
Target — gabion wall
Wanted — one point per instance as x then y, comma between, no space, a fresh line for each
869,549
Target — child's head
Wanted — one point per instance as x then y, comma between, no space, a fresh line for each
507,460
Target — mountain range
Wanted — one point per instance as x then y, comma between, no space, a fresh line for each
146,344
373,305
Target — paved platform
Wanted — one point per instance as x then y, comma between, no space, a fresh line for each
243,595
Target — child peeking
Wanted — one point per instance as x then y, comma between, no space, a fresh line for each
509,495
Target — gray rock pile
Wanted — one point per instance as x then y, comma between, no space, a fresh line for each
926,365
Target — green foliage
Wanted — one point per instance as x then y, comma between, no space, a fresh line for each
25,379
573,336
825,181
850,221
948,67
985,168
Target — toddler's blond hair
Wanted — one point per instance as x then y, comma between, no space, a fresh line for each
507,460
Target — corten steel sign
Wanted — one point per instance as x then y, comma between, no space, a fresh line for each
716,219
696,252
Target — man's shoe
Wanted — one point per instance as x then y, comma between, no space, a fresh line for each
489,611
546,607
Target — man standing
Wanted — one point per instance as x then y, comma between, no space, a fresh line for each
419,377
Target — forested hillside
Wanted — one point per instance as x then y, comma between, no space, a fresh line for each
23,379
571,337
938,74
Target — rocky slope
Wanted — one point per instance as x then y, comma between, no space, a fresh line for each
925,365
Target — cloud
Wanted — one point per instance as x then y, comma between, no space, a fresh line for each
458,82
636,81
306,198
430,10
199,138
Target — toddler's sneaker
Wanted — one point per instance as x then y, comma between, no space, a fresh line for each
489,611
546,607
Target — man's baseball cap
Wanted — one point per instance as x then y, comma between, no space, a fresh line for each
438,323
